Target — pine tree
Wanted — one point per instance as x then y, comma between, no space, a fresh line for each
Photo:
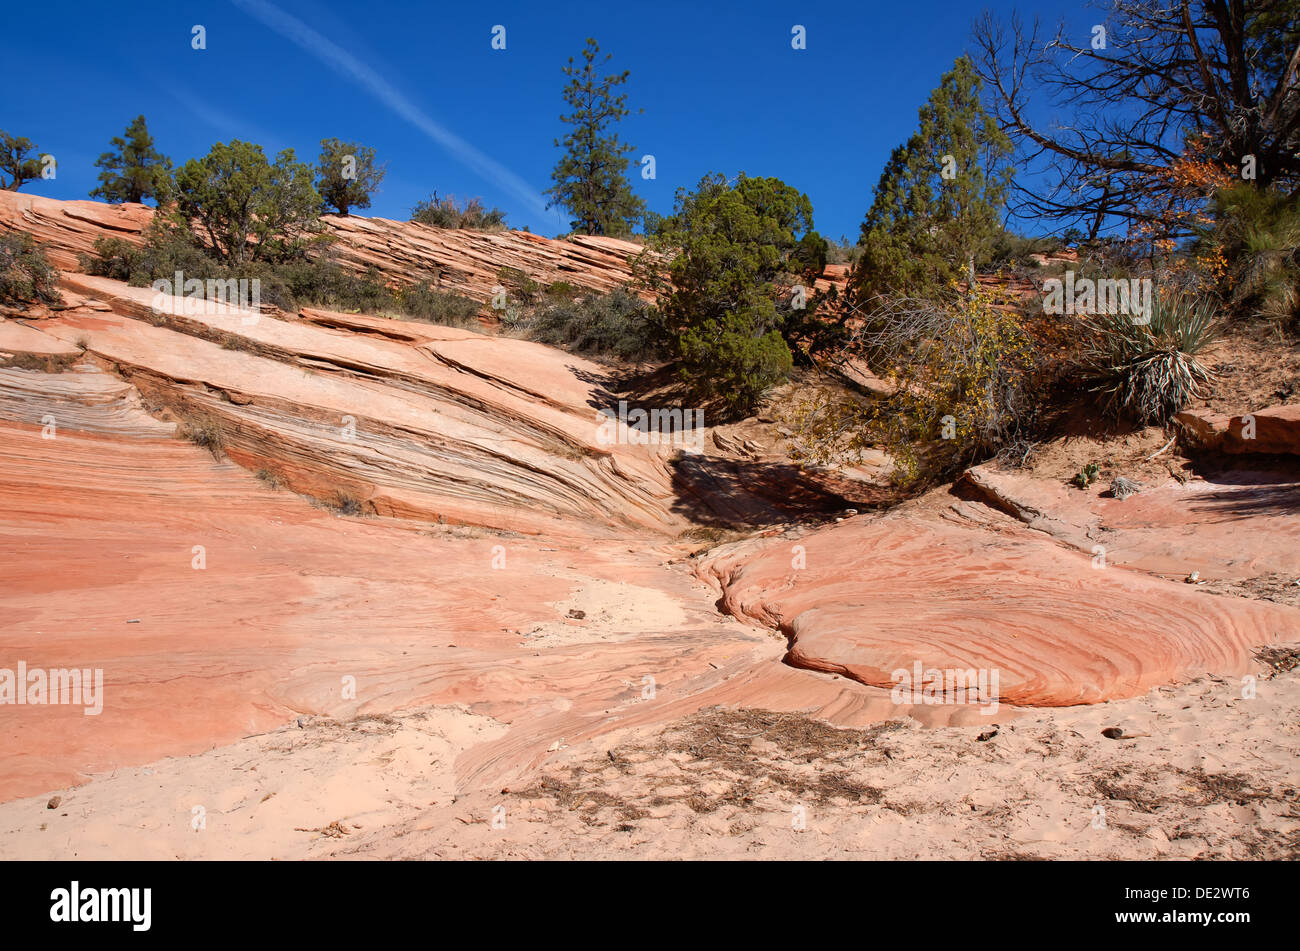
133,170
937,206
590,179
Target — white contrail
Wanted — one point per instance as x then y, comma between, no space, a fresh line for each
339,59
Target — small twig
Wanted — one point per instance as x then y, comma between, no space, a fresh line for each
1162,448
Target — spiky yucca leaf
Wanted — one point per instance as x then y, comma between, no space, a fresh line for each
1149,371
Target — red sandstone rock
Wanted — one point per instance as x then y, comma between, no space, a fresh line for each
869,597
101,521
67,228
1273,430
1233,525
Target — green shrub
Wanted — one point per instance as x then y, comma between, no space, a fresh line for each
963,372
423,302
25,272
1148,372
321,282
616,324
447,213
316,281
522,288
166,250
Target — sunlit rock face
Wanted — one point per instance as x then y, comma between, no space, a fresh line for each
242,517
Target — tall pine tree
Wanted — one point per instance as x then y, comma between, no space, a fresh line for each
133,170
590,180
937,206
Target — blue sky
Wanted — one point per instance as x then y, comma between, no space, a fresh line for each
720,86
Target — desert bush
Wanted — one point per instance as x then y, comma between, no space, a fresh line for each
205,432
1148,372
321,282
446,212
166,250
26,275
963,374
842,252
964,377
423,302
1010,250
617,324
521,288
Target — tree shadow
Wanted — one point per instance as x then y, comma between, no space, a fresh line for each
735,494
721,492
1244,488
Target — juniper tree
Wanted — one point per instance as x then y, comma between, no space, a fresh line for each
590,180
246,208
133,169
736,250
346,175
937,205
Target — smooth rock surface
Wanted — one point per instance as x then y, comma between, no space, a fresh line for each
871,596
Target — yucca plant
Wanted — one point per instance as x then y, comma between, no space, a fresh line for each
1149,371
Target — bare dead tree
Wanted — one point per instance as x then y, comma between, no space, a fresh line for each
1099,124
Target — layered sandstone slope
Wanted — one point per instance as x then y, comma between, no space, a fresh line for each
465,262
872,596
69,228
85,399
445,425
218,608
470,262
